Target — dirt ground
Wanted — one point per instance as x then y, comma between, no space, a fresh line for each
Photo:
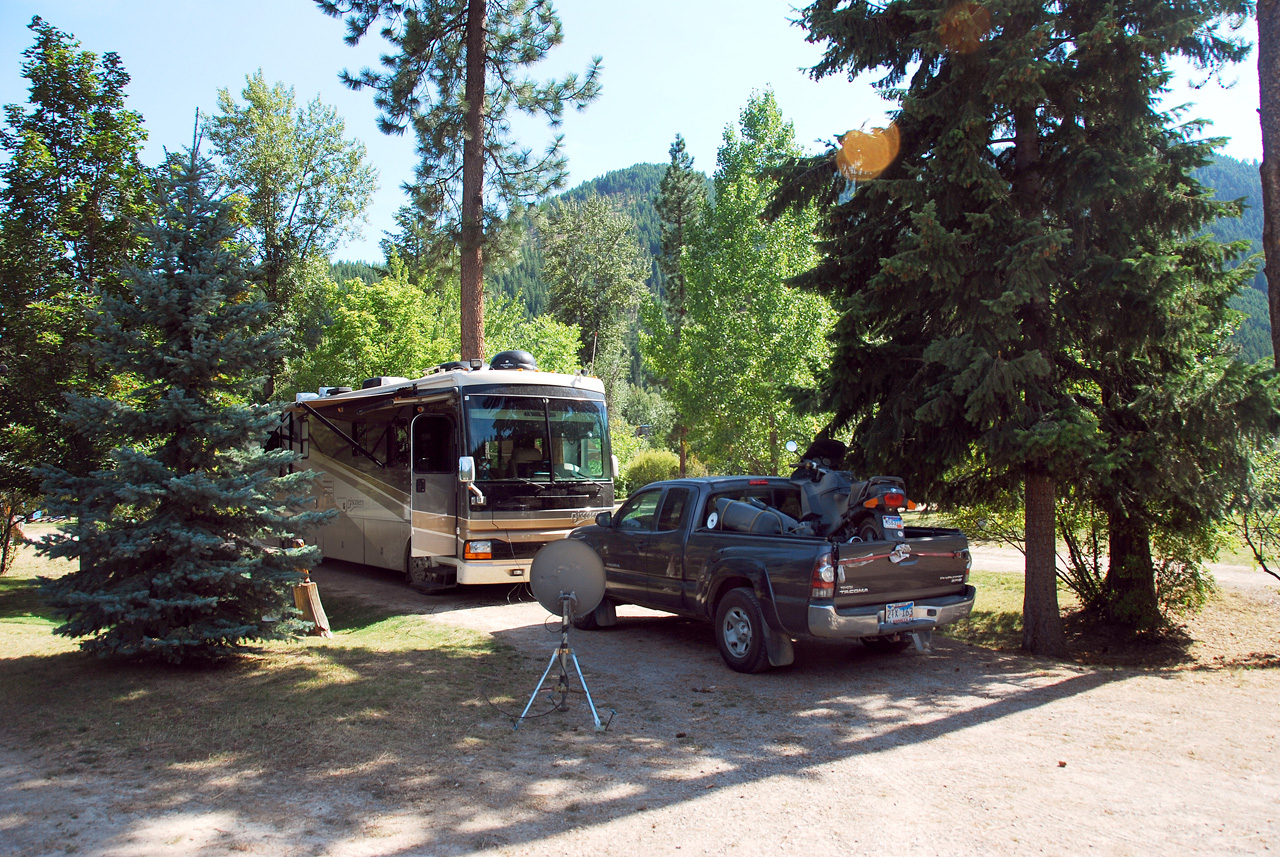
956,751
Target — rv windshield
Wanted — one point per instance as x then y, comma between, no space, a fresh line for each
537,439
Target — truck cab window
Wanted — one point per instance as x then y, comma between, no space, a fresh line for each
639,513
674,508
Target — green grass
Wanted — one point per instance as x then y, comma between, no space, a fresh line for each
996,620
383,684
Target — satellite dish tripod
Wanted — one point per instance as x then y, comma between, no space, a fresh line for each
564,653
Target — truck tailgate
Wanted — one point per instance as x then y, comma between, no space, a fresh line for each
925,564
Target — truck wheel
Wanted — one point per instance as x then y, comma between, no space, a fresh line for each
587,622
888,645
740,632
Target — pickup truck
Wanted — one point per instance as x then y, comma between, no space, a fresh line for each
732,551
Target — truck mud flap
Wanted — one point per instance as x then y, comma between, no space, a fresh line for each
778,645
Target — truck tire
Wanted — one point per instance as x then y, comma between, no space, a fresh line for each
740,632
888,645
587,622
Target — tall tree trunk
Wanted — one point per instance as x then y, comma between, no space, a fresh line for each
1131,576
1041,622
682,434
1269,111
472,244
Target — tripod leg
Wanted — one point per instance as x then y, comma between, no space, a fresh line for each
583,682
534,695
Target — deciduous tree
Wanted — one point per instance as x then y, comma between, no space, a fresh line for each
70,182
396,327
457,80
745,337
305,185
595,271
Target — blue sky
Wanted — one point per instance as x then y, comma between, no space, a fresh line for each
669,67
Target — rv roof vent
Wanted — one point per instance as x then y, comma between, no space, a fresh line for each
382,381
333,391
514,360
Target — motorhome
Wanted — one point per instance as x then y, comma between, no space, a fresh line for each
458,477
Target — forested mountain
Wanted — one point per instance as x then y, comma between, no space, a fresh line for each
631,191
341,272
1232,179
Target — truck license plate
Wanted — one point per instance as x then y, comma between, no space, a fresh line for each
900,612
892,522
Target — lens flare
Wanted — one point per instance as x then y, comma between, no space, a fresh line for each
964,26
865,154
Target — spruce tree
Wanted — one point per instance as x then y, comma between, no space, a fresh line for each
1020,254
175,534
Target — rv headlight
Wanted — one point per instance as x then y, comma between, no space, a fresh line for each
482,549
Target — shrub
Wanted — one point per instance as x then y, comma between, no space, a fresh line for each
651,465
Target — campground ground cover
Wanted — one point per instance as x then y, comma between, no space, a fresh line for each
394,738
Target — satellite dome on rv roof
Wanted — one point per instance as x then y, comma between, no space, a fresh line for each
514,360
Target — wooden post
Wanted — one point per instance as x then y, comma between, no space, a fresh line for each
306,597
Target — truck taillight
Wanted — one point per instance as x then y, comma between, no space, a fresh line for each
823,584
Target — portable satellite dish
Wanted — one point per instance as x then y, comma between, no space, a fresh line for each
567,578
567,567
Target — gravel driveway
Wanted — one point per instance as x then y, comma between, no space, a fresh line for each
958,751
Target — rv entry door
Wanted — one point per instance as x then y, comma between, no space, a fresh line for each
434,484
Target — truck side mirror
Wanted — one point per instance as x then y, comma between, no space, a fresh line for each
604,519
466,469
615,469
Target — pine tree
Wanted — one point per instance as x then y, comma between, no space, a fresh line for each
456,81
681,197
170,533
1018,253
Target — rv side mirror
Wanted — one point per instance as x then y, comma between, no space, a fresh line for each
466,469
615,468
604,519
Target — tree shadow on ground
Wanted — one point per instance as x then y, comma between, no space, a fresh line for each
326,744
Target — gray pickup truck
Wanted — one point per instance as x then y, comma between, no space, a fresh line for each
732,550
